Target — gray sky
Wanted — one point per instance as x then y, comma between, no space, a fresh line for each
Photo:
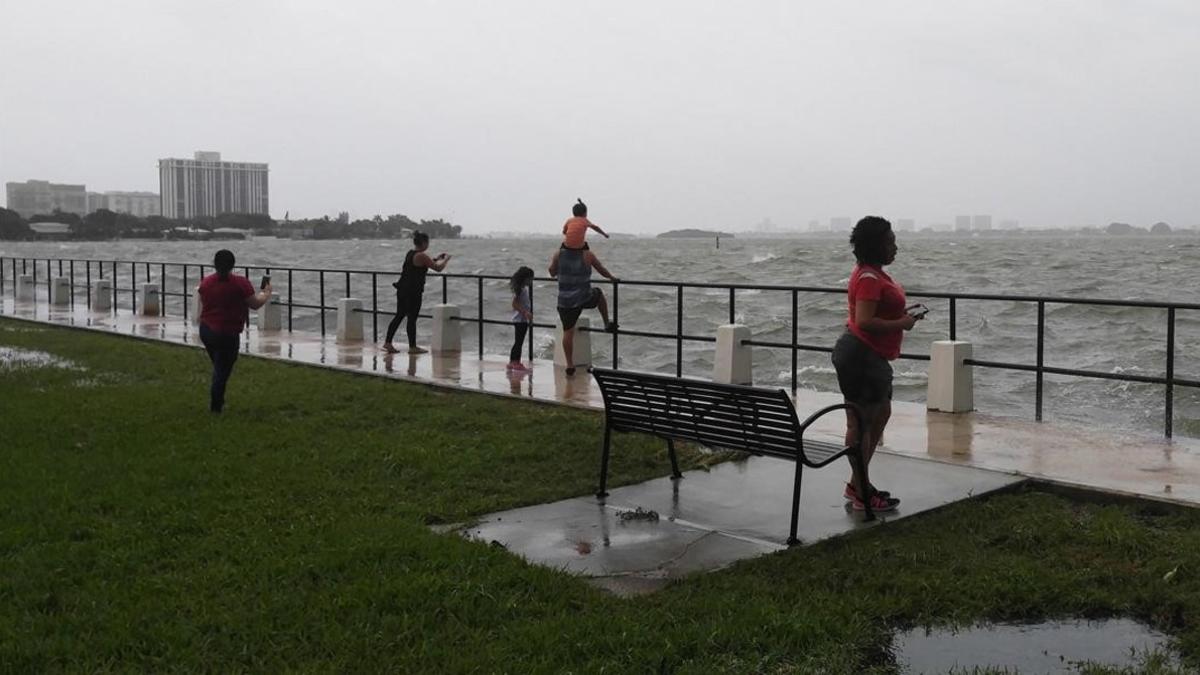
659,114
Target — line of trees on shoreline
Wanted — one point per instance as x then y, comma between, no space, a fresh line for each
103,224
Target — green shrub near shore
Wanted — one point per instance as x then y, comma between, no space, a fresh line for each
140,533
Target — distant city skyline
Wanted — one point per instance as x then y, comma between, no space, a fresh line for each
660,116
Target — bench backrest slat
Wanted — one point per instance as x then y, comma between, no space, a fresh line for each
761,421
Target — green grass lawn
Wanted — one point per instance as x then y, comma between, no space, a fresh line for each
140,533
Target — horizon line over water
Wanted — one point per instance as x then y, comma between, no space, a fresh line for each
1107,339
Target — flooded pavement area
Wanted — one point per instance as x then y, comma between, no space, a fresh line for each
14,358
1052,647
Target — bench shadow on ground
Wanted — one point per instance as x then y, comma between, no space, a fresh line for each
711,519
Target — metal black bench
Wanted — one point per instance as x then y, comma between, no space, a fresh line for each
729,416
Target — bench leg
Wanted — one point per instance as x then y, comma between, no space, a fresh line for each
792,540
601,493
675,475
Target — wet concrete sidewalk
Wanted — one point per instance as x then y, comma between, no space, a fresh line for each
711,519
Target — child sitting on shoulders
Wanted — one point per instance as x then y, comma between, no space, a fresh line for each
575,229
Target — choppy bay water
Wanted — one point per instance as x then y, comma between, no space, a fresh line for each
1107,339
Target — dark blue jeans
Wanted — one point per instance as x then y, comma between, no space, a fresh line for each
223,352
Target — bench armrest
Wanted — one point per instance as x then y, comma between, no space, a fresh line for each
854,409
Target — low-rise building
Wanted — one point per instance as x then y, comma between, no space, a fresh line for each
41,196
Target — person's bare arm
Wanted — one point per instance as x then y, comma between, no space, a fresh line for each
436,264
596,265
597,228
260,298
554,265
866,318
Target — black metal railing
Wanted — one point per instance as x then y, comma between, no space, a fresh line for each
187,280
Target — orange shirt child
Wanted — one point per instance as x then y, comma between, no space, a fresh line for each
575,232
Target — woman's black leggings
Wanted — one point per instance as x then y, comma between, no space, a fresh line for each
522,329
223,352
406,308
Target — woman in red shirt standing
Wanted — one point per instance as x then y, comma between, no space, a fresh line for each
875,328
225,301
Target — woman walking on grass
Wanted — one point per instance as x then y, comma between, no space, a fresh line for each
225,303
522,317
878,318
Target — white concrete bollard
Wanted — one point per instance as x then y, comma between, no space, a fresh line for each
60,291
734,362
195,309
101,295
951,382
349,320
582,345
25,288
151,304
447,330
270,316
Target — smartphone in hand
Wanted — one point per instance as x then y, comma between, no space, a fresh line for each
265,280
917,311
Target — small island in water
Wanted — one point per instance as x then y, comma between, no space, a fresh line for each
693,234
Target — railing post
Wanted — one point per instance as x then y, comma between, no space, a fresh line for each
1,278
289,300
1170,413
321,283
162,283
616,331
71,276
679,330
49,282
529,335
795,335
115,283
374,307
1041,341
732,306
133,286
347,284
185,293
87,278
480,310
953,321
445,290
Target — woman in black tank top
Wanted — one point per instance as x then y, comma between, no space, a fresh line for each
410,289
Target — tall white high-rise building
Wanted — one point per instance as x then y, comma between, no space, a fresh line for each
981,223
207,186
962,223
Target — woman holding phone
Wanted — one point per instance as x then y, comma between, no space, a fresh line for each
878,317
410,289
225,303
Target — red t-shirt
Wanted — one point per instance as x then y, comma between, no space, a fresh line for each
223,303
868,282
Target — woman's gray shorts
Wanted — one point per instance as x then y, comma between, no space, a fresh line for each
863,375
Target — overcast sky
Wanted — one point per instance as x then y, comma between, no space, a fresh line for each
497,115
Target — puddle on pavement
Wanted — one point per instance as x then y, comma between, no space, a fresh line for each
1052,647
13,358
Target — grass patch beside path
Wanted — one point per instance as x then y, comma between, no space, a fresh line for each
137,532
